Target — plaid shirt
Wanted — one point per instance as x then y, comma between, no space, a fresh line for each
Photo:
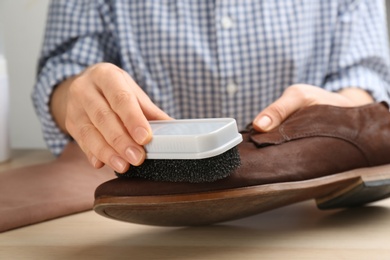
215,58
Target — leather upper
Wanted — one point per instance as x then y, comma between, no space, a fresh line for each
315,141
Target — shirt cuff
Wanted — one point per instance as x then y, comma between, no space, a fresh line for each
49,77
362,78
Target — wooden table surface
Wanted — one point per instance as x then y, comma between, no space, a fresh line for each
299,231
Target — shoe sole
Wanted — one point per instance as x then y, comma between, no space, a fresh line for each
348,189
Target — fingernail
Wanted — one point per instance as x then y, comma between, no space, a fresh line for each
118,163
134,155
94,161
264,122
141,135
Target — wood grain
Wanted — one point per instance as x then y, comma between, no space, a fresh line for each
298,231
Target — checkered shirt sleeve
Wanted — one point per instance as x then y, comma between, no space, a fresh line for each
209,58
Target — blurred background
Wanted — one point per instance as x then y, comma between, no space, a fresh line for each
23,24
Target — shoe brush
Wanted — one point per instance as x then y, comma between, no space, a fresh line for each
190,150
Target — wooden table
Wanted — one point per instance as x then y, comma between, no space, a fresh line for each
299,231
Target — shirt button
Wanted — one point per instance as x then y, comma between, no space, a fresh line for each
227,22
231,88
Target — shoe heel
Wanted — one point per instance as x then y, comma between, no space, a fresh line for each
373,185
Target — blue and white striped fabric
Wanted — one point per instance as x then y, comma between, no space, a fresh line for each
216,58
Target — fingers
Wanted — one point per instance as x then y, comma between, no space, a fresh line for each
124,105
357,97
93,145
107,114
292,99
133,108
109,125
97,131
272,116
150,110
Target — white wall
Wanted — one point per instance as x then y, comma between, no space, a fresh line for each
388,13
23,24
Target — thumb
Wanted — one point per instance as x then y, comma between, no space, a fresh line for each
151,110
273,115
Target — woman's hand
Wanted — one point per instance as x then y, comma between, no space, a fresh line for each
299,96
107,113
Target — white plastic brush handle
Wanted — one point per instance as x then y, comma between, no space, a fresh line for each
192,138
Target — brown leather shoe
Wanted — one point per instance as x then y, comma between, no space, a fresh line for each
338,156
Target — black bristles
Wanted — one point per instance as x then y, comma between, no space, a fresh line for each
196,170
